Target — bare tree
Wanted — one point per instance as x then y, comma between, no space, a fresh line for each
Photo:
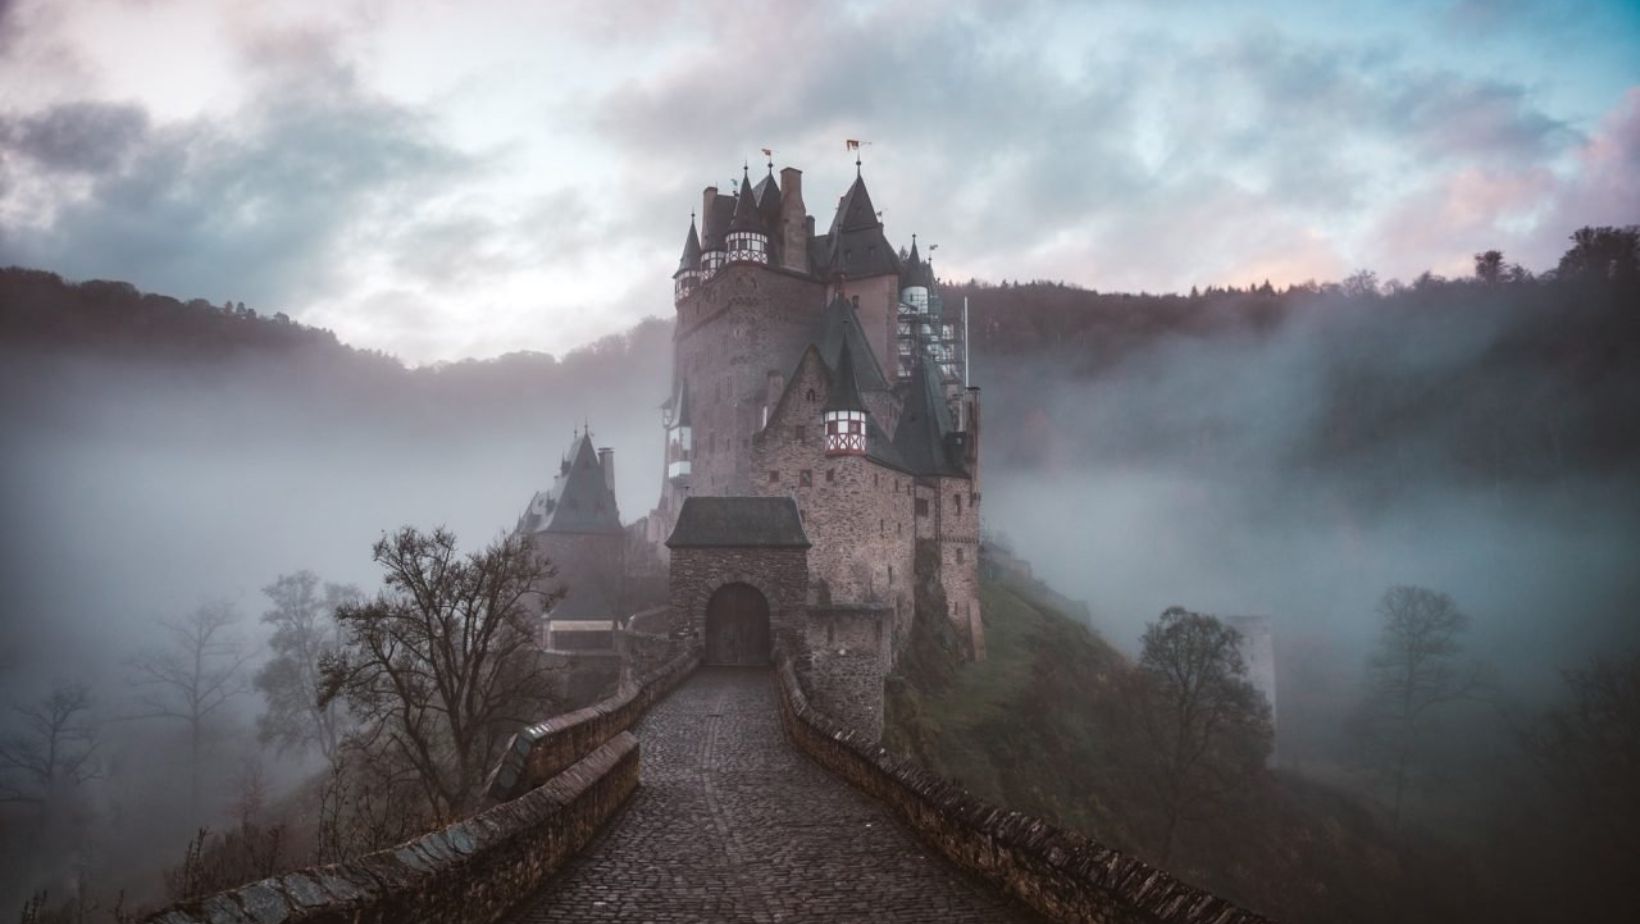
441,667
1206,729
305,631
53,752
199,671
1412,674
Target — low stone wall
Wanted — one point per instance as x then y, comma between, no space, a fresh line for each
645,651
473,872
1063,875
540,752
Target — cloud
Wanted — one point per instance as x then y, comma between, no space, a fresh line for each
258,206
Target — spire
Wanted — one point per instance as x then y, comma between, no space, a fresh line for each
746,214
916,272
845,391
855,212
690,261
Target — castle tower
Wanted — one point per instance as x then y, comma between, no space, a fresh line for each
687,276
748,238
845,412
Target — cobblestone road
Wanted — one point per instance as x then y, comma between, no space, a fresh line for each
730,823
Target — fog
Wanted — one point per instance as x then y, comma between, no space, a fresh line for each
1203,470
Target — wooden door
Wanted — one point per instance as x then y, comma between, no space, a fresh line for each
737,626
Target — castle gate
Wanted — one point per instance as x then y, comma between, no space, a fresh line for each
737,627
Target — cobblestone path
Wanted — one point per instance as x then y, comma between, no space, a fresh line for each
730,823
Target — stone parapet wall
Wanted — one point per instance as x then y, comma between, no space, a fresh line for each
538,753
473,872
1063,875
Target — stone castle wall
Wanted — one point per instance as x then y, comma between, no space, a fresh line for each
780,574
745,323
849,651
856,512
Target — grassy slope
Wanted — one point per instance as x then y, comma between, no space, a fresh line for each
1024,729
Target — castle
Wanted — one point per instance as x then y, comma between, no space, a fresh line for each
821,476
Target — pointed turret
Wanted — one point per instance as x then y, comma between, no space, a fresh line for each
855,248
748,237
845,412
840,327
925,422
687,276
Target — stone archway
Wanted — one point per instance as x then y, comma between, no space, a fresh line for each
737,627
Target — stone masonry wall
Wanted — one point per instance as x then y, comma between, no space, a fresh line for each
781,575
1061,874
856,512
746,322
473,872
849,654
538,753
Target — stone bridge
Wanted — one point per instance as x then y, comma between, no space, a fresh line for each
733,824
754,806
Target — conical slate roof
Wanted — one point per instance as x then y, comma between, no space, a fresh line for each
747,217
691,250
915,271
855,212
925,419
580,501
844,394
768,195
840,325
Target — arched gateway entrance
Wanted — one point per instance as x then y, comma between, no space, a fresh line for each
737,627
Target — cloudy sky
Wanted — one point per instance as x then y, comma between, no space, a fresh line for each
449,179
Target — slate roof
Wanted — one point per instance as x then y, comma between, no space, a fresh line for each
579,501
691,250
677,405
916,272
925,419
839,326
738,522
855,247
768,196
746,217
844,394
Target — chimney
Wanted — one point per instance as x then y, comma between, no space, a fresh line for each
606,461
707,197
794,227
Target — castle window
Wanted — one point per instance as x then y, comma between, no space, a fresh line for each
957,500
882,527
802,433
809,395
922,506
831,476
874,479
891,574
805,478
774,476
855,299
959,554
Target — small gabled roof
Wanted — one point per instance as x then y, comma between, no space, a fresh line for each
738,522
844,394
746,217
580,500
840,326
691,250
925,419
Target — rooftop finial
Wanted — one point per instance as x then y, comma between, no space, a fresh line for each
769,153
